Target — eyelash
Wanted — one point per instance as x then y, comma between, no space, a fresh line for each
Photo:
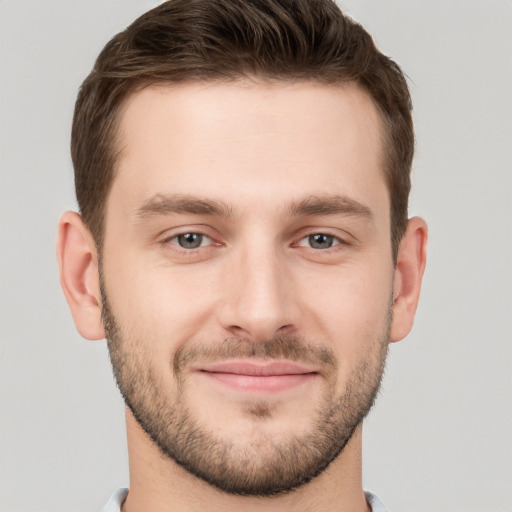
309,239
173,243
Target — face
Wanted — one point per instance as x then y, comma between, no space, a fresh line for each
247,276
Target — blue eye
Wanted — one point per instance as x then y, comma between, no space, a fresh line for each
191,240
321,241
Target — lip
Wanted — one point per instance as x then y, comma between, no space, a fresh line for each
259,377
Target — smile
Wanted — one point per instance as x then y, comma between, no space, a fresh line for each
258,377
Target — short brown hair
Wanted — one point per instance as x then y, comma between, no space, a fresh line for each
225,40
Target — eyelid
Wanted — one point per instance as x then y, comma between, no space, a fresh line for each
336,241
340,237
183,229
169,236
173,238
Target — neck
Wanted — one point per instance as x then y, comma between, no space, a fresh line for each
158,484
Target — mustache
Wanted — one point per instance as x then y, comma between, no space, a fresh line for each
290,348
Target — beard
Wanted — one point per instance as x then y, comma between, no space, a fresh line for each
258,463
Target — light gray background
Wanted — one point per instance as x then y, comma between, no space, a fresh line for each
439,438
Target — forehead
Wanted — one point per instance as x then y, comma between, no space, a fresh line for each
215,138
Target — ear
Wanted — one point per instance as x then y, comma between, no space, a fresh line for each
79,276
411,260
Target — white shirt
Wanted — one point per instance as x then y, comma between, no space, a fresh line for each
116,500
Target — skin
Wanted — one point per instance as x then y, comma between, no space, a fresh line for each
261,151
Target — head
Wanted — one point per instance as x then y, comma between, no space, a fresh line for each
191,41
242,170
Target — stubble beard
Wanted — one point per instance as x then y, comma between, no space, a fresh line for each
262,465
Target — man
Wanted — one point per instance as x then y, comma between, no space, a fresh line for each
242,171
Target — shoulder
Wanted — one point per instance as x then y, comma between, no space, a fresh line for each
374,502
116,500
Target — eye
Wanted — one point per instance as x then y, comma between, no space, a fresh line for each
191,240
319,241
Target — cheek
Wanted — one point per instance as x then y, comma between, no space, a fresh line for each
154,306
349,309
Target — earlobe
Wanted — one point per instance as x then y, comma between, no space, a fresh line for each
411,260
79,277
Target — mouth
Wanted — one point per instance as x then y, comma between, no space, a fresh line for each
258,377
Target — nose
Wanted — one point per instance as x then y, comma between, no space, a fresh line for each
259,301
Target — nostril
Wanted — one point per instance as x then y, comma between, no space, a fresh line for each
285,329
238,331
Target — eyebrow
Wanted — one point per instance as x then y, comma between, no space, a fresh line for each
330,205
161,204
